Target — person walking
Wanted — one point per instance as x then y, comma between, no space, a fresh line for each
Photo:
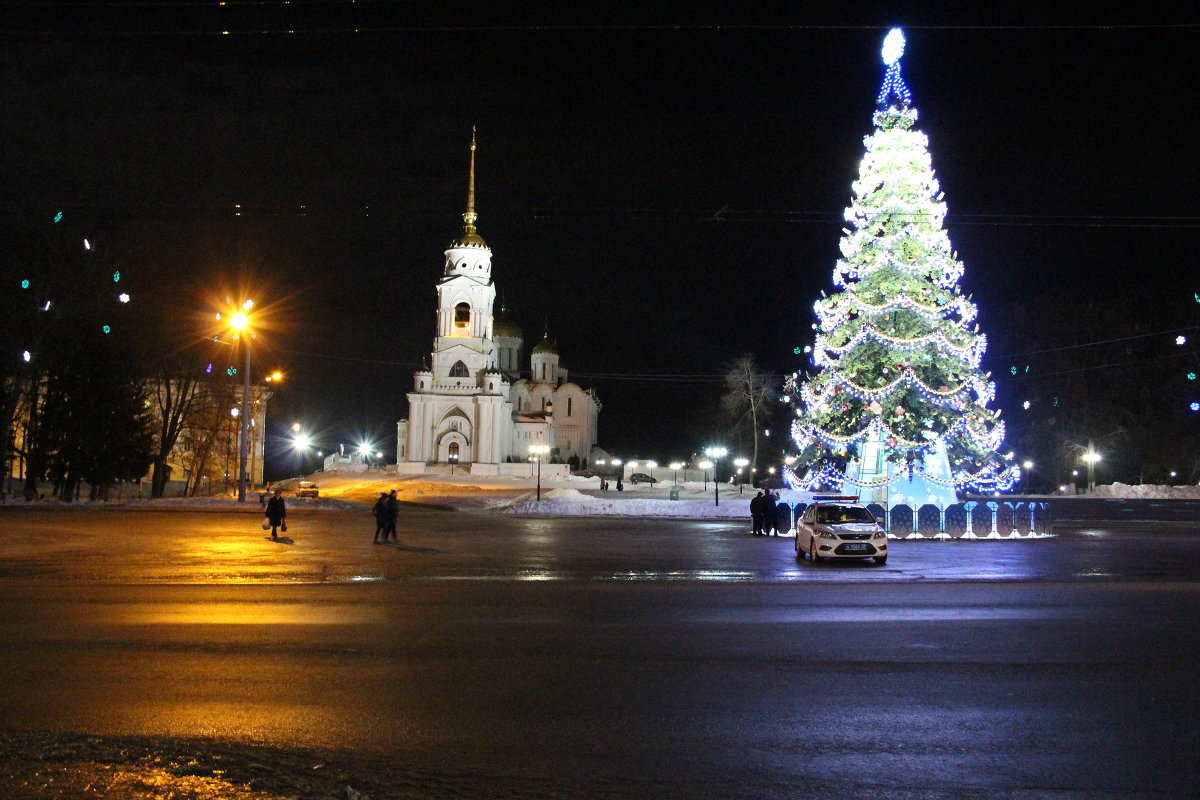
756,515
393,512
276,513
768,512
381,516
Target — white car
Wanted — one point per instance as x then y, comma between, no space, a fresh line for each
836,528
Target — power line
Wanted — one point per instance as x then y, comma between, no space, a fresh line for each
366,5
1098,342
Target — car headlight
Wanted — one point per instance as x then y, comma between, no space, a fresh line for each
879,535
827,534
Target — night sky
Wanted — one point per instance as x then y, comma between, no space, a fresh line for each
662,188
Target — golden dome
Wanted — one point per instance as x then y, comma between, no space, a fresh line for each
545,346
469,238
503,325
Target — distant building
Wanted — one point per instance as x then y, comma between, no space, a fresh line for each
473,406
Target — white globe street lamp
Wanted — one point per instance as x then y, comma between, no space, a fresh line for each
741,464
716,454
1090,458
675,467
537,452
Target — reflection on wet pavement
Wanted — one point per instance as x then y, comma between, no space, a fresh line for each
334,547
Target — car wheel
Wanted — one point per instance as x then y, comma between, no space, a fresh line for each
812,553
881,560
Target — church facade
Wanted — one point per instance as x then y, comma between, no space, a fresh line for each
475,405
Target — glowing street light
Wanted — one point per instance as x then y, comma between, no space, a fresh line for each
1090,458
716,454
741,464
705,466
240,323
675,467
537,452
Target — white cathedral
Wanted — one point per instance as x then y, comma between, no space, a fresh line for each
473,407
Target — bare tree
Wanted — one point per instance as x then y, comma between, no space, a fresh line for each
747,390
173,395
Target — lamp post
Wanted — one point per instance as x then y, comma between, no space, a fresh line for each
650,467
705,466
675,466
716,454
536,452
1028,467
741,464
1090,458
240,322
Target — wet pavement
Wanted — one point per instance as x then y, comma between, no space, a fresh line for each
183,654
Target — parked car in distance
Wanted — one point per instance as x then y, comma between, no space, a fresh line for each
307,489
641,477
837,527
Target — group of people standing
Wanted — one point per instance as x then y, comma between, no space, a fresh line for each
762,514
386,511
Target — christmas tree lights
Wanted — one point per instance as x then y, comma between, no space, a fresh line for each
896,349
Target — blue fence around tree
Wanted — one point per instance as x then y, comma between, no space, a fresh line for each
973,519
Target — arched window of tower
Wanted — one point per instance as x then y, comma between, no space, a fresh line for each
459,370
462,316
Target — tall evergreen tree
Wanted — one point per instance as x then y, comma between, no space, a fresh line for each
897,352
83,414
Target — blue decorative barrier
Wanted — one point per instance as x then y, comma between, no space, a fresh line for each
974,519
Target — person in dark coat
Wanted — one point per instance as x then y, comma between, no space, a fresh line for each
381,516
276,513
768,512
756,515
393,513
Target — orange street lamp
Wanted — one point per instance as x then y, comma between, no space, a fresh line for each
240,322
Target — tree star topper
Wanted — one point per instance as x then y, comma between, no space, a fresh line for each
893,46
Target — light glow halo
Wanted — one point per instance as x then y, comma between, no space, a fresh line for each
893,46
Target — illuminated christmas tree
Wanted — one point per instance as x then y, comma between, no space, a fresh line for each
898,407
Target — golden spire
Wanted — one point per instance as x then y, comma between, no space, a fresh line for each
469,235
470,217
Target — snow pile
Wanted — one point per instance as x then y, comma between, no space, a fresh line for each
572,502
1147,492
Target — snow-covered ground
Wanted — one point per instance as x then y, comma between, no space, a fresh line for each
1147,491
578,496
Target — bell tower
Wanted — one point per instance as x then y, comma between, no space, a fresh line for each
463,347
